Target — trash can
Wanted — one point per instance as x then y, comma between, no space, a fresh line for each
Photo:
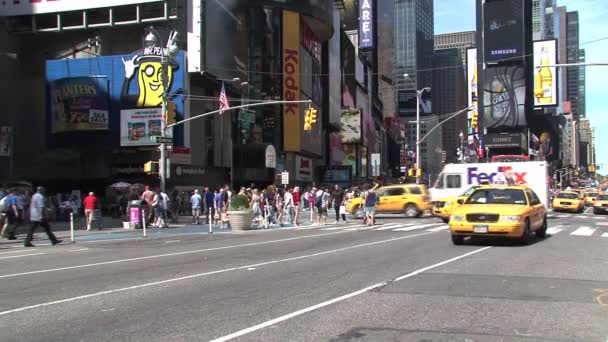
136,211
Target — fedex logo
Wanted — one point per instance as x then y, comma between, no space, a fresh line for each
517,177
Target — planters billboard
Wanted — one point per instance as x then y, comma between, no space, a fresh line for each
90,97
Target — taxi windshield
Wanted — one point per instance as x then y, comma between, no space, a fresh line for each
469,192
497,196
603,197
591,194
567,195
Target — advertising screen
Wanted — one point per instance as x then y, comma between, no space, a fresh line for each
504,97
503,30
545,76
138,126
350,120
472,93
366,24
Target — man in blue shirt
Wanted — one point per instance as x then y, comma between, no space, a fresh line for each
196,202
12,216
209,204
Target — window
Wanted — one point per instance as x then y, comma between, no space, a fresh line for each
394,192
453,181
534,200
414,190
439,182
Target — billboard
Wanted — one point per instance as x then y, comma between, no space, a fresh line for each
291,82
138,126
504,94
472,93
366,25
29,7
545,76
503,22
350,121
79,104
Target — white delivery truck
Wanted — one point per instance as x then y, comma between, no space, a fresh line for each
457,178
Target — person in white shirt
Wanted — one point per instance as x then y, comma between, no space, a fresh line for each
288,205
38,218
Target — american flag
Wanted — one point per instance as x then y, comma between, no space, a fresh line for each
224,105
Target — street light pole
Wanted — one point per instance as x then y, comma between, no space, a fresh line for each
418,94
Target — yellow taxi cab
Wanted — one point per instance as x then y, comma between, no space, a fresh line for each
409,199
444,207
589,197
600,206
568,201
512,211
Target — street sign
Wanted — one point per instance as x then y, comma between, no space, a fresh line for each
285,178
162,140
247,116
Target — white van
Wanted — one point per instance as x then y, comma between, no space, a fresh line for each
457,178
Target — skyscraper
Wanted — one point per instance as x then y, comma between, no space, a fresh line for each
413,28
538,19
582,85
459,40
573,55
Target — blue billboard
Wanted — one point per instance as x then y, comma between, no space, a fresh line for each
130,82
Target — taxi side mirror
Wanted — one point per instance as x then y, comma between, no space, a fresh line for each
460,201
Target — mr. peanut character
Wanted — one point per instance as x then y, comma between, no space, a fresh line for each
149,77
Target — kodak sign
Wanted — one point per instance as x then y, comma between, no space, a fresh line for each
292,141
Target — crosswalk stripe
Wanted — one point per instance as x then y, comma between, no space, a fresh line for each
583,231
420,226
602,223
599,217
436,229
553,230
393,226
344,227
605,235
563,215
361,228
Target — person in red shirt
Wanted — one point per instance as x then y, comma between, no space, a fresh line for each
90,204
297,199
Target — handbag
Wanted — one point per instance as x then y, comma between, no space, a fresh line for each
342,210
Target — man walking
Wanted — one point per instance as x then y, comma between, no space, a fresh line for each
90,204
208,199
338,202
39,218
12,215
196,201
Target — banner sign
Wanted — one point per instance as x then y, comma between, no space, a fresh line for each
291,82
350,120
138,126
366,25
545,76
28,7
79,104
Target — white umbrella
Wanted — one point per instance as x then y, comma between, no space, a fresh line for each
120,185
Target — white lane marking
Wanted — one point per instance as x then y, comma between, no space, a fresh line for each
553,230
393,226
341,227
78,250
563,215
20,251
341,298
362,227
599,217
605,235
173,241
420,226
20,256
198,275
583,231
164,255
602,223
586,210
437,229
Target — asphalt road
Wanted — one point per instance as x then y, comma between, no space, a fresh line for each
400,281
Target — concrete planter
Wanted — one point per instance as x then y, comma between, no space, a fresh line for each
240,220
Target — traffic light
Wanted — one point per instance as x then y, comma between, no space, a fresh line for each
418,173
411,172
313,116
307,124
171,113
475,119
151,168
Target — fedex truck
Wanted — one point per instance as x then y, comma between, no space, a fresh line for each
457,178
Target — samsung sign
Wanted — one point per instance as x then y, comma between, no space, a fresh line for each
366,24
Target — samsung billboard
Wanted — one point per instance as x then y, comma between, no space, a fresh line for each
503,29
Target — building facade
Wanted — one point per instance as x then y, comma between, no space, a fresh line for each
456,40
573,56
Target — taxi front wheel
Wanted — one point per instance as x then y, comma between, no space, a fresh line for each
542,231
411,210
526,235
457,239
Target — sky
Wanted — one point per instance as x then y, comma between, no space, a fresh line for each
459,15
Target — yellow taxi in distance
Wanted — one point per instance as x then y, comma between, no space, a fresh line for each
500,211
410,199
589,197
600,206
568,201
444,207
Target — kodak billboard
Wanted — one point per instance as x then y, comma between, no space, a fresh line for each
292,133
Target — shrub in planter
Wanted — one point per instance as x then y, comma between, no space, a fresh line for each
239,215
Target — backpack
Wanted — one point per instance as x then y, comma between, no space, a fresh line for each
4,204
319,200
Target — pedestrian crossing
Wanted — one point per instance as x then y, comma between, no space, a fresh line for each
395,227
581,231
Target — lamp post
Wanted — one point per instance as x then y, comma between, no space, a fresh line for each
461,135
418,94
152,40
